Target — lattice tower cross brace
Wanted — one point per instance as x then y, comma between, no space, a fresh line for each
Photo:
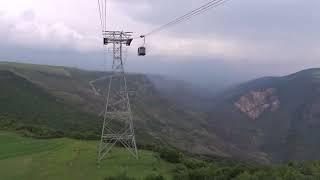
117,119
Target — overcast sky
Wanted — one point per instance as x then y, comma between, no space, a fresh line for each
241,39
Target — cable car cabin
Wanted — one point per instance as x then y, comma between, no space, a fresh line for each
142,51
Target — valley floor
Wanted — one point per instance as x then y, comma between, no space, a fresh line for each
27,158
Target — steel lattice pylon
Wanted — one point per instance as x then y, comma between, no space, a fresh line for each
117,108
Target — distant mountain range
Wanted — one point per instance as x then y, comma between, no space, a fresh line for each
277,118
272,119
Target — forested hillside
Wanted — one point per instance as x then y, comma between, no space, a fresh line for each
272,119
276,116
74,109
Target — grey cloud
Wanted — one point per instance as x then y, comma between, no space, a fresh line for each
234,16
266,32
28,15
277,38
291,25
27,31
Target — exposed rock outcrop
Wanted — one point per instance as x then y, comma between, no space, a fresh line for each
254,103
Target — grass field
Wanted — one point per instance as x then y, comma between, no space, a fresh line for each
27,158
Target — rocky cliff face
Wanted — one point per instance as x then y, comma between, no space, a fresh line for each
255,103
277,118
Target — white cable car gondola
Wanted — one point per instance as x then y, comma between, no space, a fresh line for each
142,49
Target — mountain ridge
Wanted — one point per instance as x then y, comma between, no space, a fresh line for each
270,119
156,118
284,134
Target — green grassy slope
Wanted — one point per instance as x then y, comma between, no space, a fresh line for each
27,158
22,104
67,159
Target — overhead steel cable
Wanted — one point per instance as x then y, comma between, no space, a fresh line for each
179,19
105,15
102,4
200,12
197,11
100,15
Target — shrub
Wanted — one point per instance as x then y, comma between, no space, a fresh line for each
170,155
245,176
194,163
122,176
154,177
39,132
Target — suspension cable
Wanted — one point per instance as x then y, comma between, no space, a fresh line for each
187,16
102,4
100,15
